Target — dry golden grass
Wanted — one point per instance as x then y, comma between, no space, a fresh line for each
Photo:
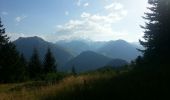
68,84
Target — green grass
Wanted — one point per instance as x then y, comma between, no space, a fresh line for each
97,85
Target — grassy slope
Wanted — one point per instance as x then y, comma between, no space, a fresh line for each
103,85
70,86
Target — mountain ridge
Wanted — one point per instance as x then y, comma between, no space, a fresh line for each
114,49
26,45
87,61
101,53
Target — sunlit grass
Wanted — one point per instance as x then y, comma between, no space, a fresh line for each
59,90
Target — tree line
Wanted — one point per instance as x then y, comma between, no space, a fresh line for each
15,68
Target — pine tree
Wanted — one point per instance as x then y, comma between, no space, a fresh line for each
49,62
157,32
10,64
73,70
4,39
24,67
35,67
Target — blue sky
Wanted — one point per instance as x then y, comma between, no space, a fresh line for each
54,20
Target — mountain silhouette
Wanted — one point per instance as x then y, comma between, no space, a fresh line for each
88,61
26,45
119,49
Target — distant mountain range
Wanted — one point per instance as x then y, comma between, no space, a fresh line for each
119,49
90,60
113,49
83,55
26,46
76,47
79,46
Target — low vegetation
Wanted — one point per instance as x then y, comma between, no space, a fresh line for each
62,89
103,84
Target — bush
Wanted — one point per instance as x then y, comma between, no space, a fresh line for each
54,77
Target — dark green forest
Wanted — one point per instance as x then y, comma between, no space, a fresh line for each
15,68
146,77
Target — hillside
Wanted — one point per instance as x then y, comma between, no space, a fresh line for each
116,63
26,46
119,49
97,85
87,61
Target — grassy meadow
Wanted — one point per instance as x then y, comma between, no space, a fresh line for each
66,89
104,84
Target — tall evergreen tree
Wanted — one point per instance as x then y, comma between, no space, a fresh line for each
35,67
4,39
157,32
73,70
49,62
10,63
24,67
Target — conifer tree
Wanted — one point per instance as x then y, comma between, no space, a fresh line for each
10,63
157,32
4,39
24,67
49,62
35,67
73,70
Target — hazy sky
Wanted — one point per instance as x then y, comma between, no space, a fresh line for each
53,20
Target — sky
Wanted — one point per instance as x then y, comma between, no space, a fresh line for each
55,20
